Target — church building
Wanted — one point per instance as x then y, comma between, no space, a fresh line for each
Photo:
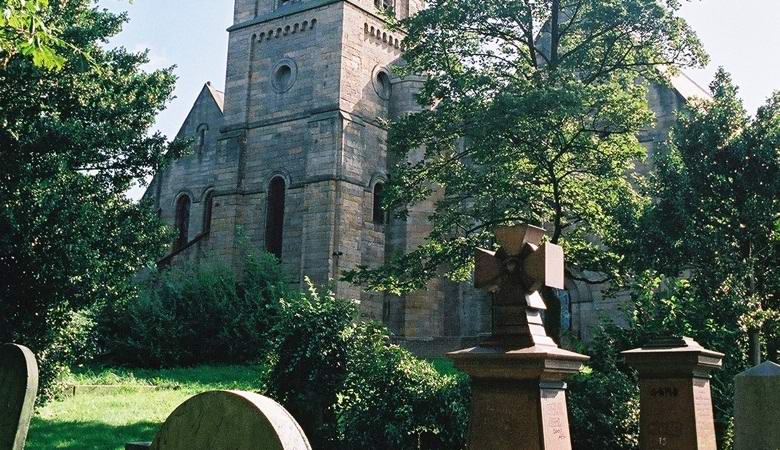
291,159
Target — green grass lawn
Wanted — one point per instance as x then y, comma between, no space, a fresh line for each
109,420
106,421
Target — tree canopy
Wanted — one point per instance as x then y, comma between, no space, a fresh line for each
532,110
716,210
72,141
27,28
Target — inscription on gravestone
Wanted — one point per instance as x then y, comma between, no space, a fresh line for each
675,400
554,415
705,416
18,388
662,426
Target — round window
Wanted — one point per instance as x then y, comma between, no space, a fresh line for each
284,75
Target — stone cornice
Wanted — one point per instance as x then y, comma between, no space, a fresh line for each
312,115
297,9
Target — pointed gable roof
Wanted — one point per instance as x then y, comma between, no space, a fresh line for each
209,94
218,96
687,88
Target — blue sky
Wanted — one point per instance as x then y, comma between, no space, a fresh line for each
741,35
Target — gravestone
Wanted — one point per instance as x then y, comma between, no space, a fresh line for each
18,388
675,397
230,420
756,413
518,389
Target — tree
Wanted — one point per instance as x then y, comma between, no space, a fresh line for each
72,142
532,114
717,211
27,29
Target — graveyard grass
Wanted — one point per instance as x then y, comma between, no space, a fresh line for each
102,420
132,413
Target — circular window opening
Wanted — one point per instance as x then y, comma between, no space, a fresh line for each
383,86
283,77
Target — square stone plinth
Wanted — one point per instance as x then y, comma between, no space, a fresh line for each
675,397
518,396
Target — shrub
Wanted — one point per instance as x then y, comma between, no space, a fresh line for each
604,399
70,343
397,401
196,314
351,388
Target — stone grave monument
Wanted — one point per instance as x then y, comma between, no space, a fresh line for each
675,397
756,413
232,420
18,389
518,389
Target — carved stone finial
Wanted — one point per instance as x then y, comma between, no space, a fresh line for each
516,273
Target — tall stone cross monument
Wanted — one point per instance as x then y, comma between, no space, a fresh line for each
518,389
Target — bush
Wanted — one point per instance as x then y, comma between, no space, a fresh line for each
605,398
70,343
196,314
351,388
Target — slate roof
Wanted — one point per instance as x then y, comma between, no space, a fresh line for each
219,96
688,88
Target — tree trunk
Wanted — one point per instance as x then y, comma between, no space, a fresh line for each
755,348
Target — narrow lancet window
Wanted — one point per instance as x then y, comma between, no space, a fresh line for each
182,221
274,227
379,212
208,209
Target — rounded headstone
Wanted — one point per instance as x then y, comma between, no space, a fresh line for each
230,420
757,408
18,388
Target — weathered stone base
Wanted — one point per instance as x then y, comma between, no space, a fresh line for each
675,397
518,396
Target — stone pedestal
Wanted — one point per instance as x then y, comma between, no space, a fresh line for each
518,396
675,397
756,408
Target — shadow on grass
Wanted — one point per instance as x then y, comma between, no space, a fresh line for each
53,434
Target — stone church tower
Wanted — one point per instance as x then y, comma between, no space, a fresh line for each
292,159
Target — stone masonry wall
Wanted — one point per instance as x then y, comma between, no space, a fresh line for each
308,84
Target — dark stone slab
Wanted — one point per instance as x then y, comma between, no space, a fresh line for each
518,397
18,389
756,413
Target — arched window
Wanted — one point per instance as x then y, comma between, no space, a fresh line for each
274,225
383,4
379,215
201,140
208,208
182,220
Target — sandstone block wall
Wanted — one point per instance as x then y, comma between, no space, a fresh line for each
308,84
